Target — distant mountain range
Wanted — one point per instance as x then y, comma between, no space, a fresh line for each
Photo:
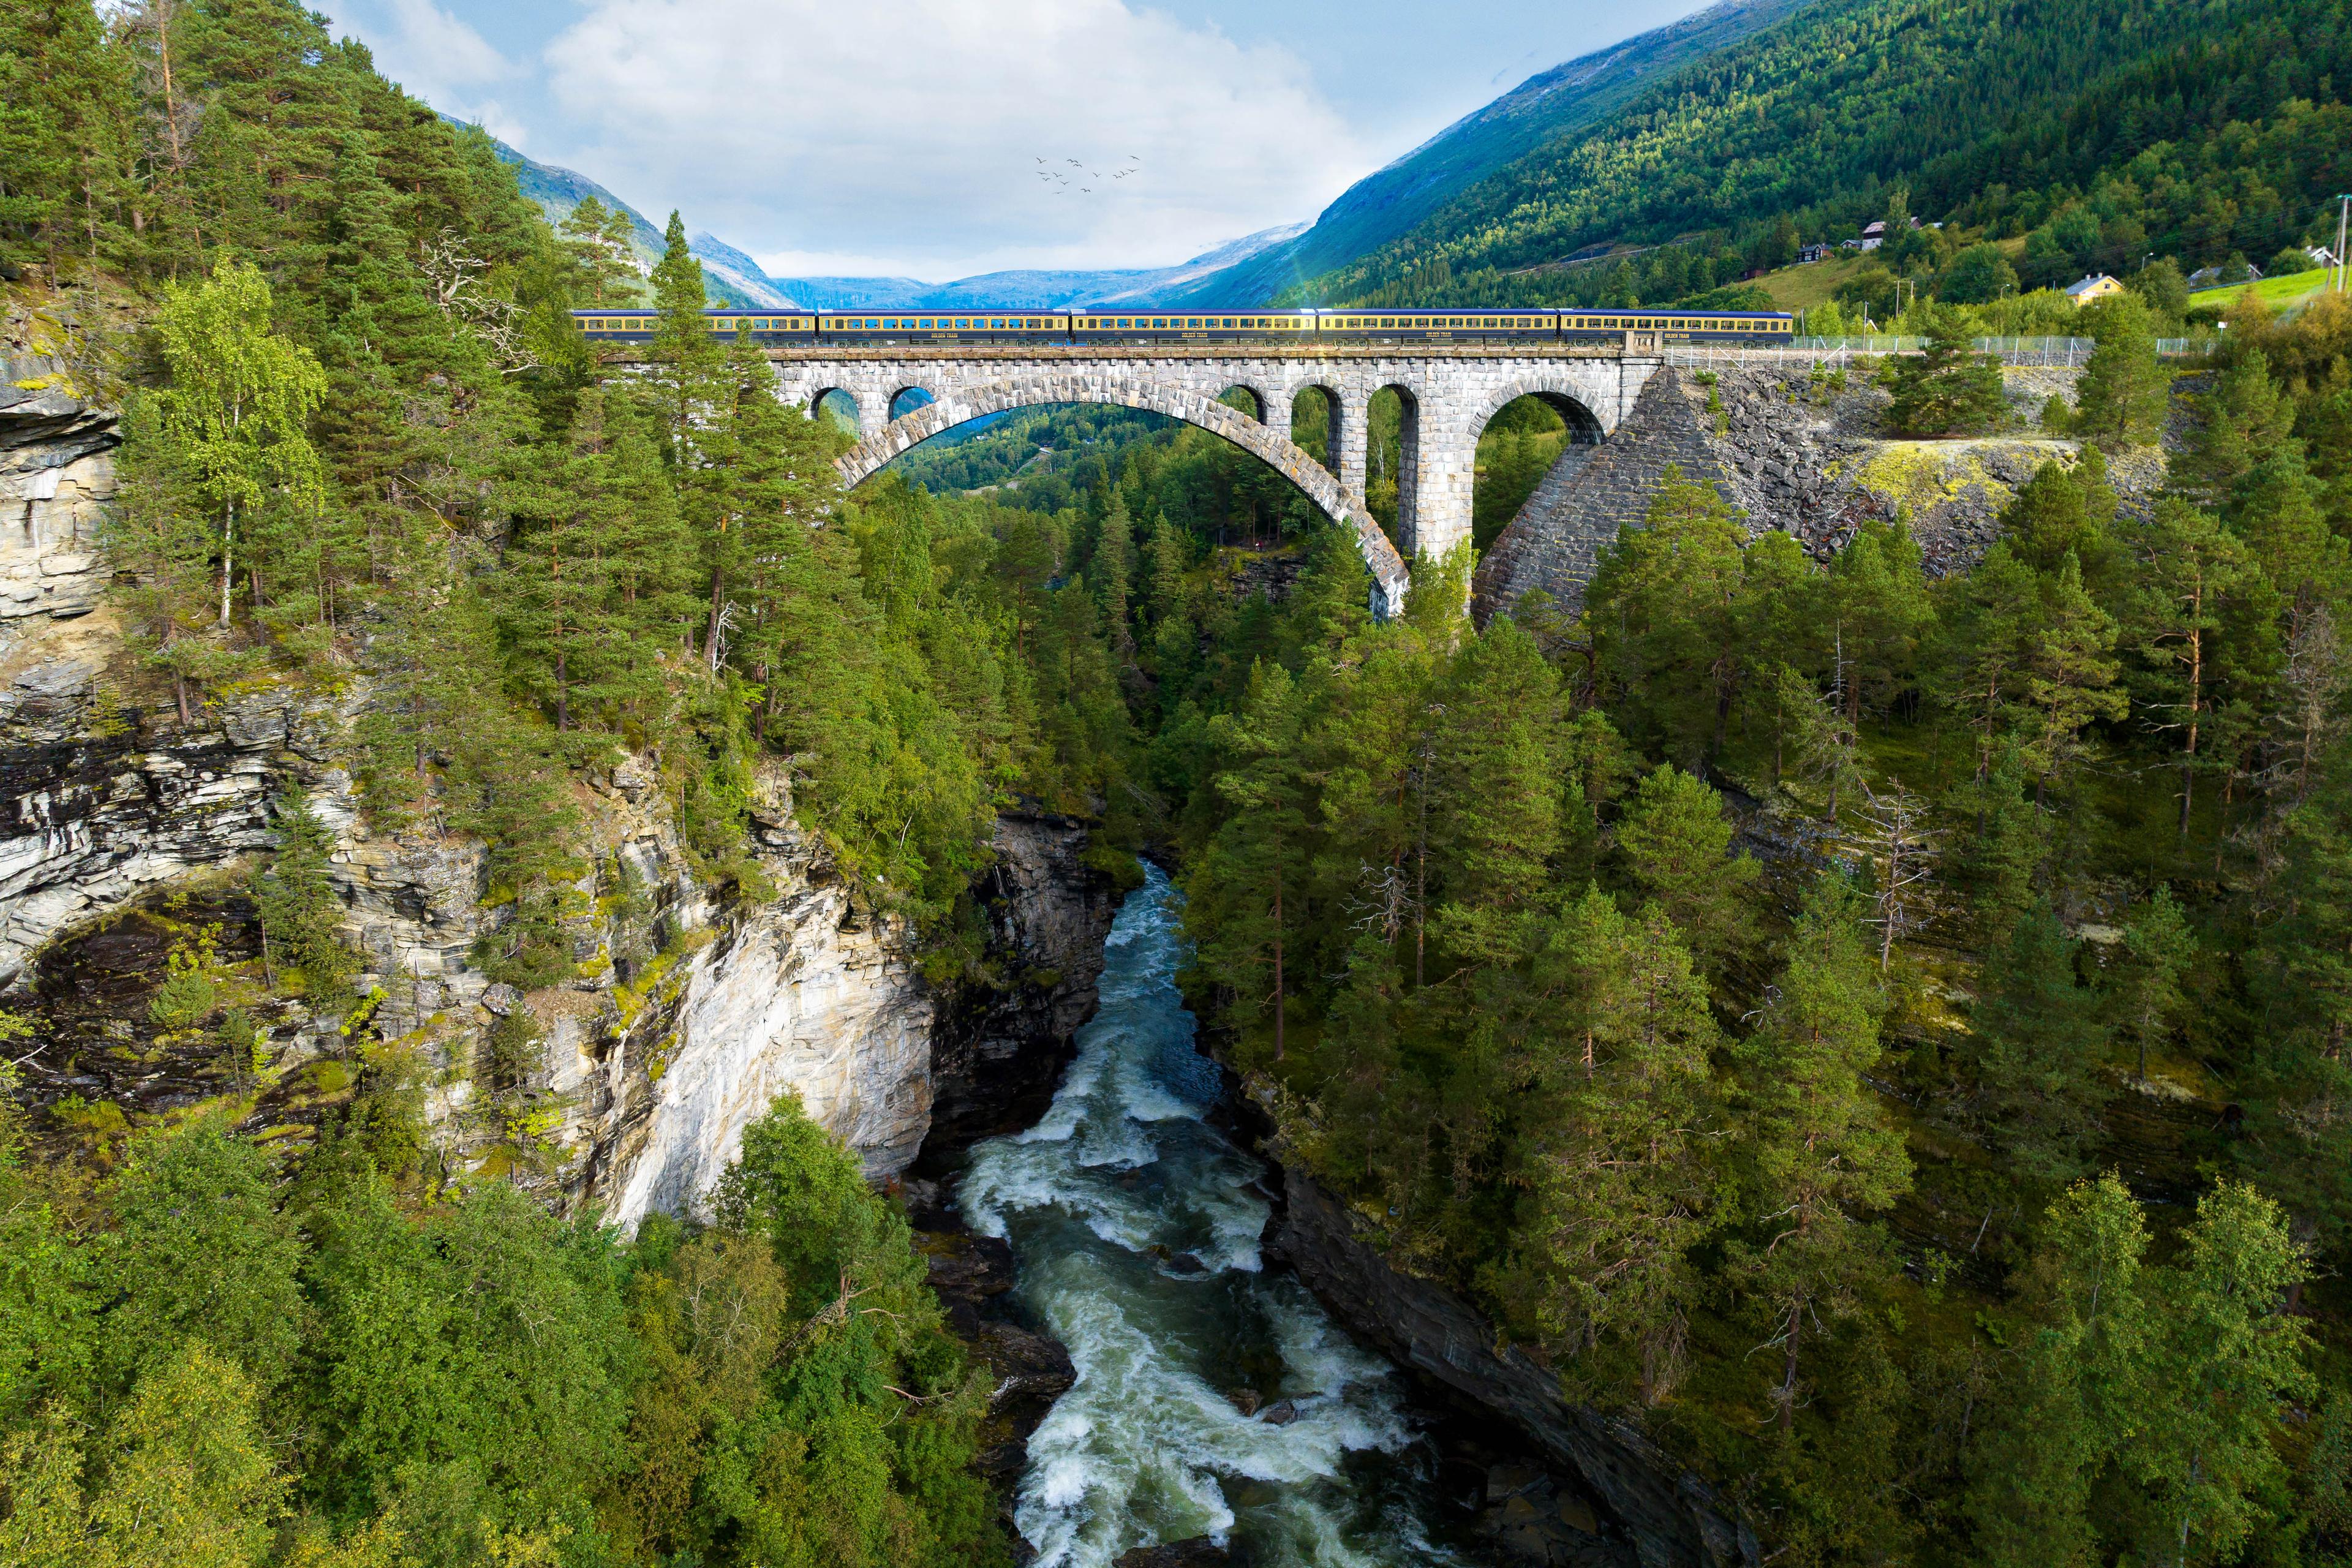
1251,271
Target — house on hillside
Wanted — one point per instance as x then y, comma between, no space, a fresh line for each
2097,286
2322,255
1809,253
1874,235
2210,278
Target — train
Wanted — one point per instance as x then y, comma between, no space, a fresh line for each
1596,327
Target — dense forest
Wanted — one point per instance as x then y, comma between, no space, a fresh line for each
2100,132
363,450
1882,1035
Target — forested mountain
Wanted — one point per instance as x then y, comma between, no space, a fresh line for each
2104,129
1395,199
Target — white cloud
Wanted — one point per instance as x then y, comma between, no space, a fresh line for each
907,134
437,57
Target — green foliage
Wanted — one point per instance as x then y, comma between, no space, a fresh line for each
300,915
2099,133
1946,390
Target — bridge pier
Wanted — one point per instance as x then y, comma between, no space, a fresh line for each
1451,391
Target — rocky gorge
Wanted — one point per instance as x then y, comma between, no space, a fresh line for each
123,832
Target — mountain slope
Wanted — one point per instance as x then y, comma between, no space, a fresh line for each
1390,202
1815,116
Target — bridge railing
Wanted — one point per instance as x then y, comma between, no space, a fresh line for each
2068,353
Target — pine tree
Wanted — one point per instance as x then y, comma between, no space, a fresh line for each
2070,674
2042,1037
2190,574
1987,642
157,531
2120,399
596,238
1111,569
65,113
685,353
2144,990
1620,1181
1250,879
1950,389
1494,798
558,598
1820,1151
1676,844
300,914
1663,606
1879,611
2240,421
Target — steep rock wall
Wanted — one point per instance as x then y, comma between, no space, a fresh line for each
1672,1516
685,1014
1002,1039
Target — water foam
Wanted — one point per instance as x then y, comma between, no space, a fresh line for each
1136,1225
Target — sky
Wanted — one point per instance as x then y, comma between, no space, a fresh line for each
941,138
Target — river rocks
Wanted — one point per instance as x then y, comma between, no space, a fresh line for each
1671,1516
1245,1400
1281,1413
1198,1553
1027,1364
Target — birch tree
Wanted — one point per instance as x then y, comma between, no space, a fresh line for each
240,399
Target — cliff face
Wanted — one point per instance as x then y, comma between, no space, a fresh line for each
1672,1516
685,1014
998,1048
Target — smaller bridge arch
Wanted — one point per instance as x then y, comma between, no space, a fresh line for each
1591,418
1268,442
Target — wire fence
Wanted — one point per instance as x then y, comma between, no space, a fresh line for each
2048,353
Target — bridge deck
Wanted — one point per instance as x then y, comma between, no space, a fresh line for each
1034,353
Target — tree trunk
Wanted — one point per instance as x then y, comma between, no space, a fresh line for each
2196,695
1278,1008
229,550
1789,1367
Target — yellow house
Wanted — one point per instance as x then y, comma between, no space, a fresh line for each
2097,286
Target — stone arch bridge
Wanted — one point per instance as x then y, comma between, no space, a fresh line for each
1449,392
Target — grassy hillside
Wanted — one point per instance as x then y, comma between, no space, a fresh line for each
2100,130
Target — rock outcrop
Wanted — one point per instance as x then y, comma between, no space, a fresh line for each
1001,1042
56,472
1795,449
1672,1516
685,1013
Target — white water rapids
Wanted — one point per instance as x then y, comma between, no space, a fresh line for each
1135,1226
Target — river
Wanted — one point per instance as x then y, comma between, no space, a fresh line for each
1135,1225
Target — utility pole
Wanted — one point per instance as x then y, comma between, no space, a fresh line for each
2343,213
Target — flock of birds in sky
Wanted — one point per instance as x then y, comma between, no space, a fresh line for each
1061,182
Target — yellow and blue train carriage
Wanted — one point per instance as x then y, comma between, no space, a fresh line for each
1156,327
1223,326
1436,326
999,326
1762,328
638,326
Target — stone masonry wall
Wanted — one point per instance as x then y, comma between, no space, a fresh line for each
1555,543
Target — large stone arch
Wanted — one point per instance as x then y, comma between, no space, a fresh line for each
1261,439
